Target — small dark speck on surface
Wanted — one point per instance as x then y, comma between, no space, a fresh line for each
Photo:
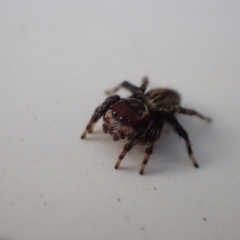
143,228
204,219
119,199
45,203
154,188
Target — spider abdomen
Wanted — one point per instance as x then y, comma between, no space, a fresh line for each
163,98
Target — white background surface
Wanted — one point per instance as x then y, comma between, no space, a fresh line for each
56,60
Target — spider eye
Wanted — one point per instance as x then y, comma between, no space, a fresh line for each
121,118
114,113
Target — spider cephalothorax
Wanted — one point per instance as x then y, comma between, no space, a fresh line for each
141,117
124,117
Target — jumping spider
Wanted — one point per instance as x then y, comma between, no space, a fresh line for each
140,118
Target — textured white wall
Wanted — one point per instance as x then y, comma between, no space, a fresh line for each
57,58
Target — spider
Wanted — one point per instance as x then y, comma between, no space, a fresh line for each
140,118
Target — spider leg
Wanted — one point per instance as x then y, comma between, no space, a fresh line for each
98,113
192,112
136,139
144,85
92,128
129,86
151,137
124,84
127,147
169,118
148,152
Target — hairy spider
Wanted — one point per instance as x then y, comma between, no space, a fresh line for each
140,118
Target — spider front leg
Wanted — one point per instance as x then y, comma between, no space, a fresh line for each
152,135
170,118
136,138
99,112
127,147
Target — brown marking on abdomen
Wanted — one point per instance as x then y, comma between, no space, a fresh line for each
164,98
